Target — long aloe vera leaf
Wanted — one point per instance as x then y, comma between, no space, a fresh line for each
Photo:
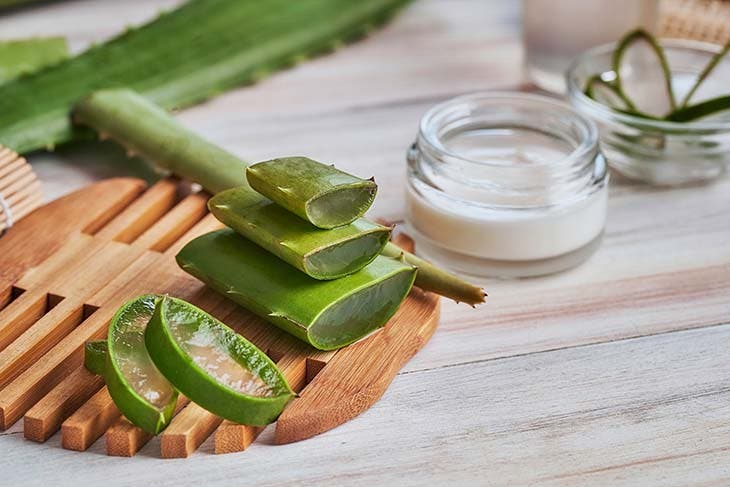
318,193
23,56
149,131
138,389
322,254
214,366
185,56
325,314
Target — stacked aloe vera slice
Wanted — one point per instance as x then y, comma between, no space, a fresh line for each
305,259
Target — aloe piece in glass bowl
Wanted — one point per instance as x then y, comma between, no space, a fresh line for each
645,146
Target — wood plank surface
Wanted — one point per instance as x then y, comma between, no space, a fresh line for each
614,373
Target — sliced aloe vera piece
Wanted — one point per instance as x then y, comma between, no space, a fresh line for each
95,356
326,314
322,254
320,194
138,389
606,94
214,366
642,74
19,57
705,74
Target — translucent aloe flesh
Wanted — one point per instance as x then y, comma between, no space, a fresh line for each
326,314
139,390
214,366
185,56
322,254
20,57
318,193
149,131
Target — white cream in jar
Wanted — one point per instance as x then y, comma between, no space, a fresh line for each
506,185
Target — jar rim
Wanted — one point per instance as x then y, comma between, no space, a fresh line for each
587,144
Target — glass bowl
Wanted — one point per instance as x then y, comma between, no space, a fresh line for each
653,151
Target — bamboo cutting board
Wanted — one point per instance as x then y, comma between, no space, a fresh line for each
67,267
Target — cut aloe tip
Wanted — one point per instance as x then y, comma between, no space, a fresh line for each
214,366
139,390
325,314
321,254
318,193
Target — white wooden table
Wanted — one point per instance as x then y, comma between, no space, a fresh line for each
616,372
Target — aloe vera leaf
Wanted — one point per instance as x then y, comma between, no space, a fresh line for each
4,4
184,57
138,389
645,100
214,366
325,314
322,254
700,110
147,130
95,356
20,57
704,75
607,94
318,193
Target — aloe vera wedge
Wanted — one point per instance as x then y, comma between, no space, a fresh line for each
20,57
640,48
325,314
95,356
322,254
320,194
144,128
138,389
184,57
214,366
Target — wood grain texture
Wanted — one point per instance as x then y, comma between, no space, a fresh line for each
515,393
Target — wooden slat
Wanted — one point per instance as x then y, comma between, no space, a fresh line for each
123,439
111,259
142,214
46,417
89,422
174,224
29,387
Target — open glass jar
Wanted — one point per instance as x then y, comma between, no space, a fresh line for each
506,185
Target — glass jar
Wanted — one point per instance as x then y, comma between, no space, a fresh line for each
506,185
